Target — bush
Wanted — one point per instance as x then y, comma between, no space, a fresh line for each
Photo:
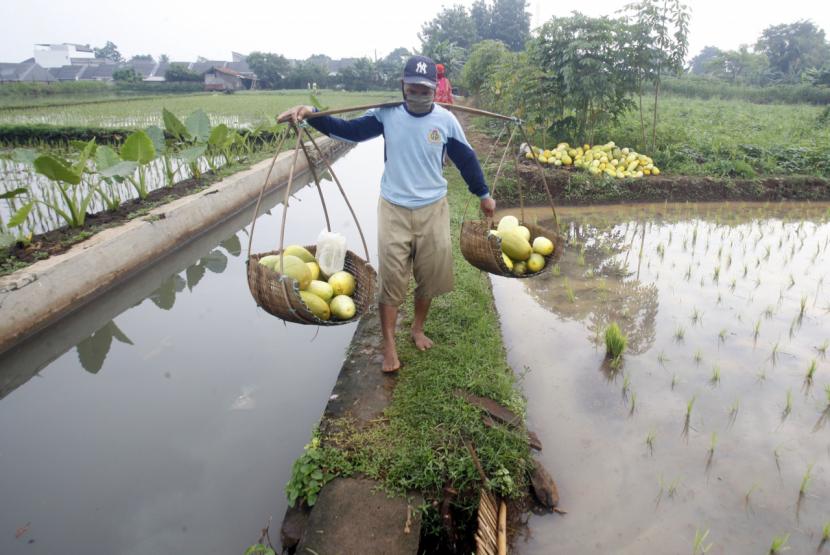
708,88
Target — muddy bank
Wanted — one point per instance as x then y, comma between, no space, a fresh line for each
574,187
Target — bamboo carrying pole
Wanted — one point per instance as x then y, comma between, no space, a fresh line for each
466,109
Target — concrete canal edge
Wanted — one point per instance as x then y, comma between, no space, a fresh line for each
37,296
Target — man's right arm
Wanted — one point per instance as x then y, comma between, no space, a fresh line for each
354,130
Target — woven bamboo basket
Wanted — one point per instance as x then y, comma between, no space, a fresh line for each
279,295
483,250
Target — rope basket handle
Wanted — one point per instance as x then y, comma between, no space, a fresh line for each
301,147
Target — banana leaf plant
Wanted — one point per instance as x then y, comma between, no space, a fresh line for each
67,177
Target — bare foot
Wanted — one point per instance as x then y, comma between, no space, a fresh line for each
390,361
421,340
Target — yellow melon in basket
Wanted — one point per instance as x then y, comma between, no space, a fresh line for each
507,261
535,263
519,268
314,269
543,246
321,289
524,232
295,268
316,305
342,283
515,245
342,307
300,252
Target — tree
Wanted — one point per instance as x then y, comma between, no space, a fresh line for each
391,66
482,15
108,52
793,48
738,66
126,75
483,61
510,23
360,76
179,73
270,68
585,79
142,58
448,53
697,66
164,59
451,25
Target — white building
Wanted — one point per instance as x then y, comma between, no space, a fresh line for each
59,55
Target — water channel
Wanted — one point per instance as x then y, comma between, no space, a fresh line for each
164,417
726,309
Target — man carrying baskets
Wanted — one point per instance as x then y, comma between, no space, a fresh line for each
413,214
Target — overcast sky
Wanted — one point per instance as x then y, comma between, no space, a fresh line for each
185,29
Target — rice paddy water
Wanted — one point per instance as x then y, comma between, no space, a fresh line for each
714,427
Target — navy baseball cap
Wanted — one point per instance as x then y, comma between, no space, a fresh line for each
420,70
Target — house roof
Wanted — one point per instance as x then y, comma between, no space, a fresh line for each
68,73
24,72
103,71
145,69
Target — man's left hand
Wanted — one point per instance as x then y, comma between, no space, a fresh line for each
488,206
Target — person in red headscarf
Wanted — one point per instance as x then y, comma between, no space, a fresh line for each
443,92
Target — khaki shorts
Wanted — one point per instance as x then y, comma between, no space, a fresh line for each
414,241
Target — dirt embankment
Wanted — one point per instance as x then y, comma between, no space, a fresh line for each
574,187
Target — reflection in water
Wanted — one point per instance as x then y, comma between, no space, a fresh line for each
594,285
92,351
728,318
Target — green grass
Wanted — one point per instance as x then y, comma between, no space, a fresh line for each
732,138
235,110
615,342
419,444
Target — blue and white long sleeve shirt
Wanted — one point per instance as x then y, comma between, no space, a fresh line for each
413,152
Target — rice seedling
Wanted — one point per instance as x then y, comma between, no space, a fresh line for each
674,381
716,275
746,271
633,403
699,544
556,270
689,406
663,359
825,533
698,357
803,306
792,282
774,354
615,343
679,333
768,312
650,438
779,544
719,299
757,282
822,349
805,480
732,285
788,405
715,379
825,414
569,292
733,411
811,371
672,489
626,386
722,335
697,316
756,330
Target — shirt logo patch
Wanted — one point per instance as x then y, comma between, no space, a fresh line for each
434,137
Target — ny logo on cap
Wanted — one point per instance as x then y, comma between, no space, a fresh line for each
421,67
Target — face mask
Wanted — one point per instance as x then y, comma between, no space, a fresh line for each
419,103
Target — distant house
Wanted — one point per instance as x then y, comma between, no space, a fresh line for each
57,55
27,71
227,80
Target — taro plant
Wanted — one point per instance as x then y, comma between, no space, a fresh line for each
67,177
17,219
138,149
